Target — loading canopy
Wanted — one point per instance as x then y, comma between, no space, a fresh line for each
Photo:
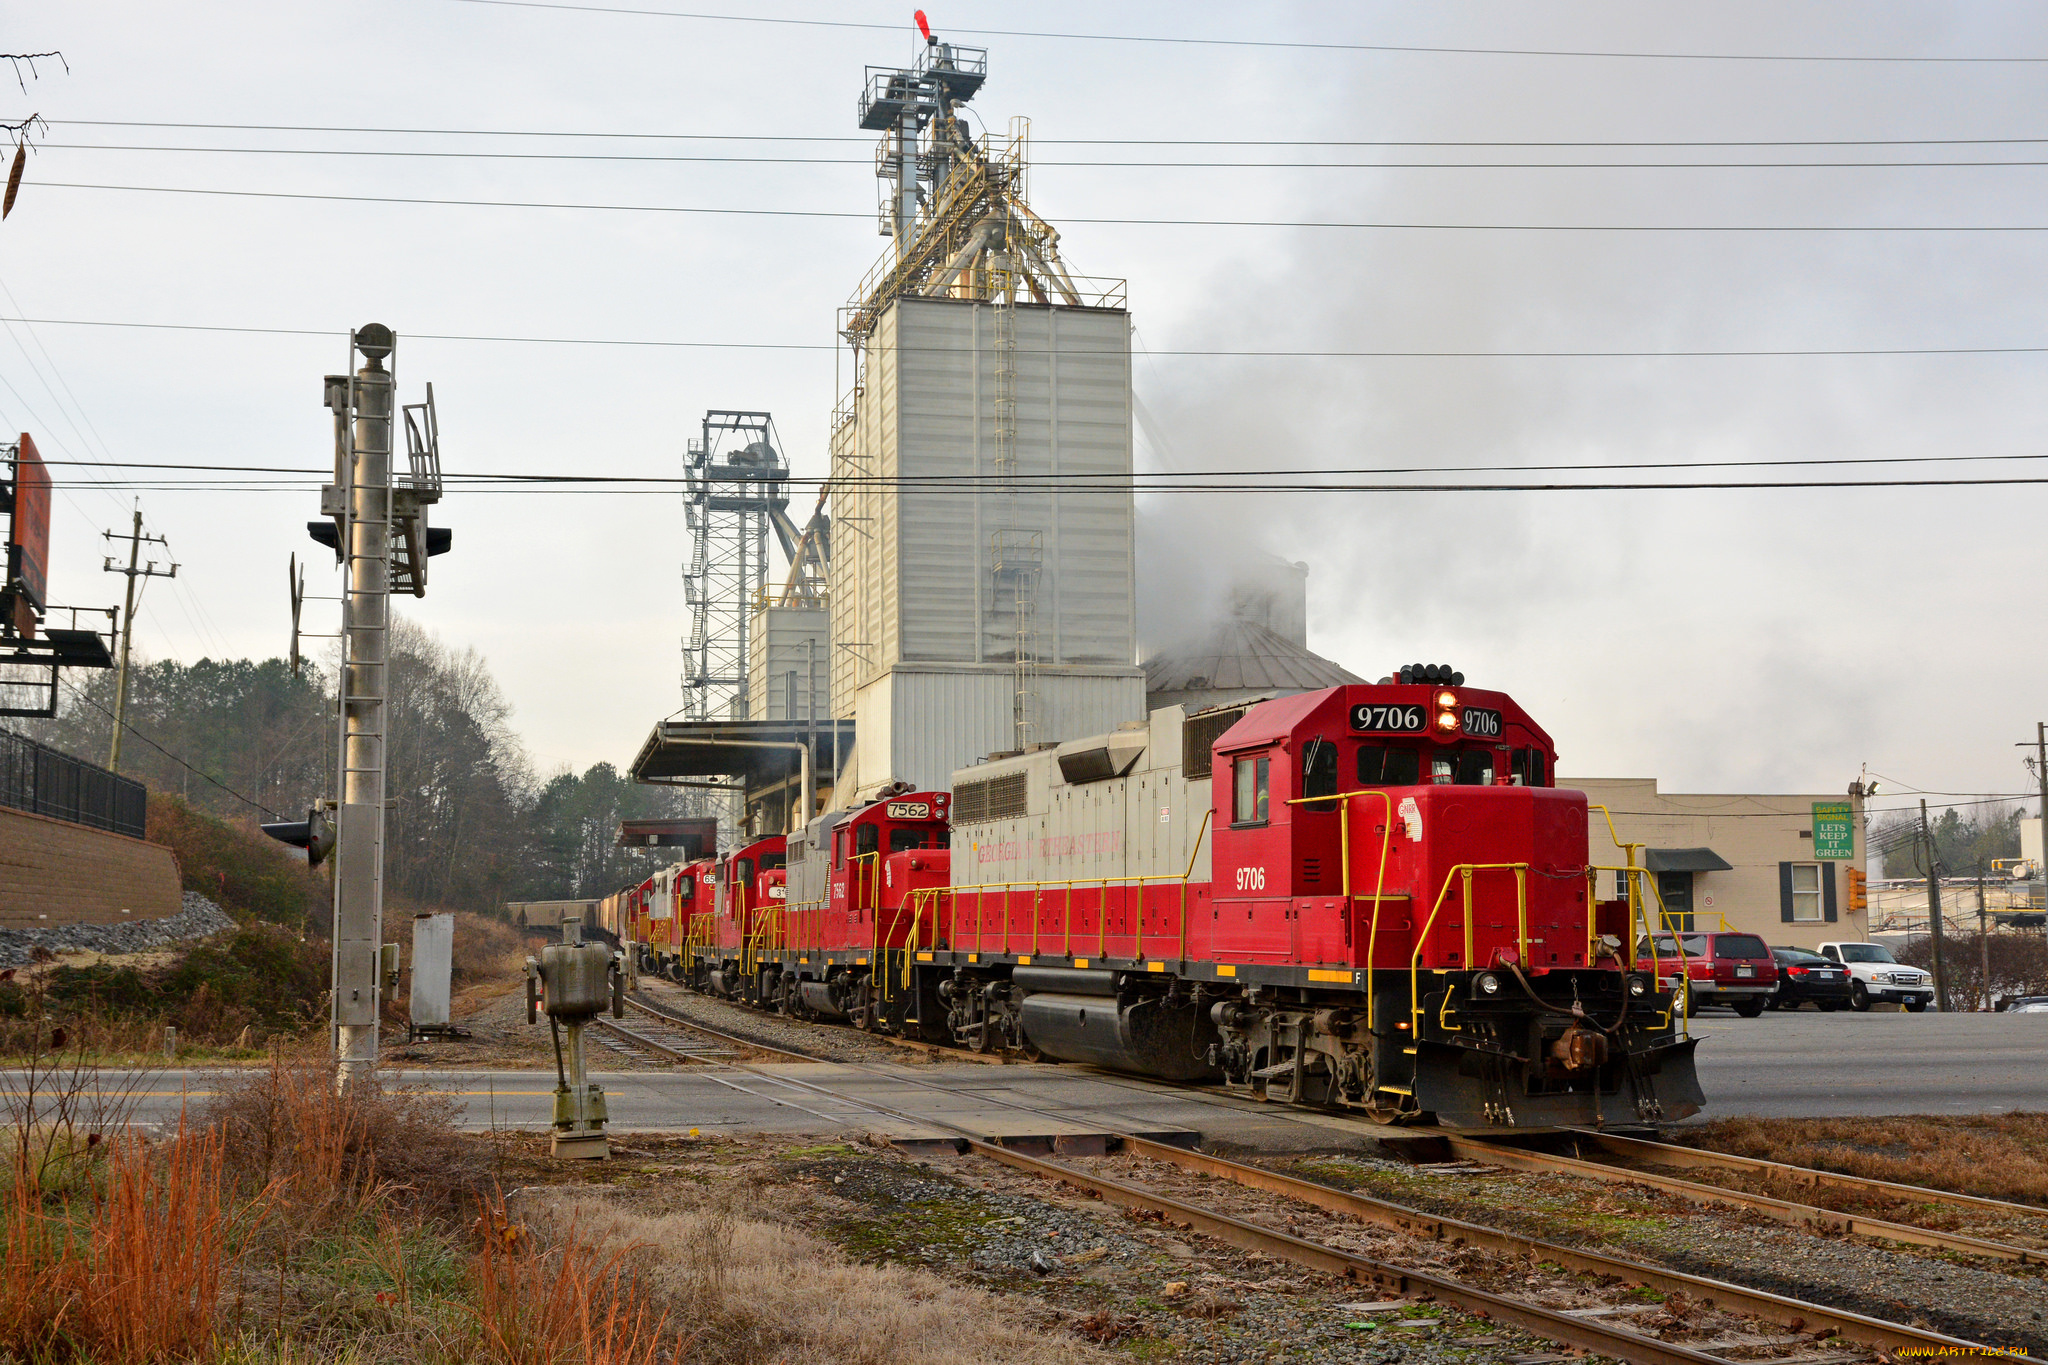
1685,860
680,750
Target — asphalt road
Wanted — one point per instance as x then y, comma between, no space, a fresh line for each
1778,1065
1813,1065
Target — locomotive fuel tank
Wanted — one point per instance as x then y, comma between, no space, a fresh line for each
1148,1035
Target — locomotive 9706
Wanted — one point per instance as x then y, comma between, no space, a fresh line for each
1369,897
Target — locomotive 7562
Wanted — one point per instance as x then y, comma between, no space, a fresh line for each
1370,898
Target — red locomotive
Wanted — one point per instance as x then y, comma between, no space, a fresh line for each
1370,898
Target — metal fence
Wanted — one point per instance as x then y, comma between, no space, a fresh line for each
43,781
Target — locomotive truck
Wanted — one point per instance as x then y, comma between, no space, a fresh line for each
1370,898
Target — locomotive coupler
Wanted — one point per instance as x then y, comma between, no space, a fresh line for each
1579,1049
574,982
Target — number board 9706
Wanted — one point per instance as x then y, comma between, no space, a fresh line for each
1482,724
1377,719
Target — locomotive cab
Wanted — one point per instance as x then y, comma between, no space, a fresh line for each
1405,841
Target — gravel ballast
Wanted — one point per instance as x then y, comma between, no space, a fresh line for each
197,918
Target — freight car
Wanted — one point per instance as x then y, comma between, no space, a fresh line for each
1372,898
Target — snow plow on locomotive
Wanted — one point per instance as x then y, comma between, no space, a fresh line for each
1370,898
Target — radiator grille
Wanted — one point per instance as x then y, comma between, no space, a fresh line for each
992,798
1199,734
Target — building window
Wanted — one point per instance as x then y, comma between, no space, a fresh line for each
1248,806
1806,897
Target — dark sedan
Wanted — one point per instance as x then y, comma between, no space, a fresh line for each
1804,977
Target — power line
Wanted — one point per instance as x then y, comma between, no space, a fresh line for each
1038,141
640,487
1259,471
1177,40
1390,226
79,693
1216,352
1042,163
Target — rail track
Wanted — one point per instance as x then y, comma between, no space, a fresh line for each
1807,1333
1809,1216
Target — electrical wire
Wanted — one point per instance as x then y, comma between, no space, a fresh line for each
1039,141
1042,163
1361,226
1286,44
1259,471
1197,353
80,694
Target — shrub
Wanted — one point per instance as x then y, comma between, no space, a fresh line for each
250,875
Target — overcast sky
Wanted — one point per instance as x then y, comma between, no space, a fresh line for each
1718,640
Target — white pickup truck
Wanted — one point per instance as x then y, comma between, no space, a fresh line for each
1876,976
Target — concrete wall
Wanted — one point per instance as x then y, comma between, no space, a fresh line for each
54,872
1753,833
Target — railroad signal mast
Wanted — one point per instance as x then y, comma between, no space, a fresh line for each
374,518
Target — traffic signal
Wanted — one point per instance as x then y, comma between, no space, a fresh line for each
315,834
1859,890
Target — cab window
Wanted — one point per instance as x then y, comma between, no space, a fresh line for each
902,840
1319,773
771,861
867,839
1248,804
743,870
1379,766
1464,768
686,888
1526,769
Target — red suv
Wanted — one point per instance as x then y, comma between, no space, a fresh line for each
1736,970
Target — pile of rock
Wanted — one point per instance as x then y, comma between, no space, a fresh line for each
197,918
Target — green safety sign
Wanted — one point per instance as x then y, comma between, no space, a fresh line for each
1834,831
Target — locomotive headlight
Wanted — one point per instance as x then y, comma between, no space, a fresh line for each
1447,721
1638,986
1446,700
1487,983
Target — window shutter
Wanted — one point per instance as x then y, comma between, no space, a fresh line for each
1827,892
1785,892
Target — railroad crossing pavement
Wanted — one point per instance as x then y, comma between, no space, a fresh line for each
1799,1065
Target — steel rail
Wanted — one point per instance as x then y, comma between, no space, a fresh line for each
1565,1328
1763,1304
1783,1210
734,1038
1777,1308
1670,1154
1771,1307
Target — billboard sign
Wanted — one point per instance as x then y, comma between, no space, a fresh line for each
28,537
1834,831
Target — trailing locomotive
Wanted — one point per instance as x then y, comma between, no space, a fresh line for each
1369,897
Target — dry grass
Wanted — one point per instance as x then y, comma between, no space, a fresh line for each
767,1293
336,1155
134,1270
1997,1156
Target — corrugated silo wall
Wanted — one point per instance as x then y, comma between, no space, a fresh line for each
780,671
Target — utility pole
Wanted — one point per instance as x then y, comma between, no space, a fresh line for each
1983,939
1934,909
136,540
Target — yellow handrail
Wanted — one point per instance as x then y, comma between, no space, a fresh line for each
1379,892
1463,871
